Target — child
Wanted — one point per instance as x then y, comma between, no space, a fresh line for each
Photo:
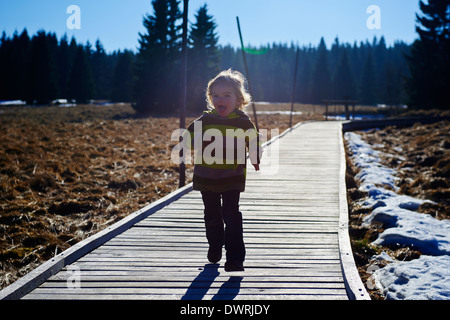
221,181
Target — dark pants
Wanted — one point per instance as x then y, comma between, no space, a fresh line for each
216,215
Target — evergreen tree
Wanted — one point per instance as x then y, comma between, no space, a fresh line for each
81,82
303,78
203,63
380,54
230,58
335,54
156,88
4,59
401,70
390,85
42,77
429,61
14,54
122,77
357,60
343,80
63,61
175,27
368,88
101,71
321,81
20,56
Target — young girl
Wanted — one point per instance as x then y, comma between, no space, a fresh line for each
221,181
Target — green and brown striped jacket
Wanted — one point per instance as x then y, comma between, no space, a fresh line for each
220,145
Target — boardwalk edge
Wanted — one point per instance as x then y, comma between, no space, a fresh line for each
353,283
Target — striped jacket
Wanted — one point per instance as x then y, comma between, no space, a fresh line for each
220,147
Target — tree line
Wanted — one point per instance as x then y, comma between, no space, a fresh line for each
370,73
41,68
429,61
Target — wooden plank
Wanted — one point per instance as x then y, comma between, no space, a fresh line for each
162,296
253,219
207,296
250,239
180,245
277,275
250,227
192,264
199,232
208,284
182,291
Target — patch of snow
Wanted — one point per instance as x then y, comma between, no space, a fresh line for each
412,229
12,103
404,227
372,172
383,256
280,112
426,278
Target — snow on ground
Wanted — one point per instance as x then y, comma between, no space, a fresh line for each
12,103
425,278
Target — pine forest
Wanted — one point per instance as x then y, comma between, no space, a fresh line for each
41,68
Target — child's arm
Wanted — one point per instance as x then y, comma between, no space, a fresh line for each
255,150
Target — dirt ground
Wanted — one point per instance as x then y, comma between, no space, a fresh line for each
420,154
67,173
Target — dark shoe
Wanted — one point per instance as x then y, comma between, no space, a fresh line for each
234,266
214,254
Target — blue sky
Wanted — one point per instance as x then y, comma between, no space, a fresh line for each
117,23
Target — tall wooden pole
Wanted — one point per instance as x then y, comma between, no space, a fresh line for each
246,71
294,85
183,87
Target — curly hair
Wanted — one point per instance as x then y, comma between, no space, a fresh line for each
237,81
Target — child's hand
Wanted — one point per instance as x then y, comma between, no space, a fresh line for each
256,166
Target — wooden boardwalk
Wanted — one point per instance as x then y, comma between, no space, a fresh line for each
295,230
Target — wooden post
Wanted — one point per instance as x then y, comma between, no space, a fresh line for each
347,114
246,71
293,86
183,88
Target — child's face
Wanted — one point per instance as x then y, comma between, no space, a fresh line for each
223,98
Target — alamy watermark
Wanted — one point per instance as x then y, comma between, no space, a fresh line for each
73,277
371,282
74,20
374,20
230,147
